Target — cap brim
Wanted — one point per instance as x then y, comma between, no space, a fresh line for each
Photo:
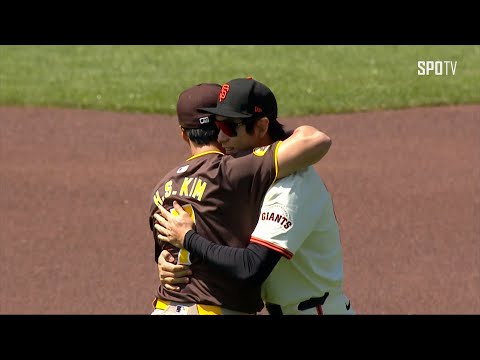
225,112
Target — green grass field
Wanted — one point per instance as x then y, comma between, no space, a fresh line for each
307,79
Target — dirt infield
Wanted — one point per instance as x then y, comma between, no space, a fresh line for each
74,200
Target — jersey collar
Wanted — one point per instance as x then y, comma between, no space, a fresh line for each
205,153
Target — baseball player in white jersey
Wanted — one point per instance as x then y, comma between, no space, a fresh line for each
298,220
295,250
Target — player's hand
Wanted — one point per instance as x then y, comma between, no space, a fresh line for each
170,273
172,229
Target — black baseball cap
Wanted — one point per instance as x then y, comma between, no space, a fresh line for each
189,102
245,98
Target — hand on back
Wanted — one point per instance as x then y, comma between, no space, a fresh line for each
170,273
172,227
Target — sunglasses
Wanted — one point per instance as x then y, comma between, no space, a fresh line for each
229,128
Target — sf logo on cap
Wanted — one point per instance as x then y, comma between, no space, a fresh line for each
204,120
223,92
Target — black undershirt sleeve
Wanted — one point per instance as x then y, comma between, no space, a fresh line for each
253,263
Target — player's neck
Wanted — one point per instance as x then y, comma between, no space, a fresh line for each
198,149
264,141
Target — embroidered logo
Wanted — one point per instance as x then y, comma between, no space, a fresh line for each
275,218
182,169
223,92
260,151
258,109
204,120
181,310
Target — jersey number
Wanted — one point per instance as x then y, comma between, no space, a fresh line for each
183,254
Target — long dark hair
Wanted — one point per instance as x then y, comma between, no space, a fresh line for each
275,129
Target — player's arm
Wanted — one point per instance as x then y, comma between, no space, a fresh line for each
306,146
253,263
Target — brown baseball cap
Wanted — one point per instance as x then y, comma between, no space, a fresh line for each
245,98
191,100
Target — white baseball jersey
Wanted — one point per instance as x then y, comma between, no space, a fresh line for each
298,220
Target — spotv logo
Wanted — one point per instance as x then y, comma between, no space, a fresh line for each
446,67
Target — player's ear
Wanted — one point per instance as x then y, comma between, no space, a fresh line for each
184,135
262,126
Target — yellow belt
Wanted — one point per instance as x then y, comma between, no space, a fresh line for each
202,309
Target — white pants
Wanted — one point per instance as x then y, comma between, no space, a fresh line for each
335,304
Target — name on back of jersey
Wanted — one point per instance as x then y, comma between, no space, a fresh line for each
192,187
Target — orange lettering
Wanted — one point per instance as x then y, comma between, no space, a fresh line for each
223,92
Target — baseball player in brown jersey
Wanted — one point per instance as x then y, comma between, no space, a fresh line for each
222,195
295,249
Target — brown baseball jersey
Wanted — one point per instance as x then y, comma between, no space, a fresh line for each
224,194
